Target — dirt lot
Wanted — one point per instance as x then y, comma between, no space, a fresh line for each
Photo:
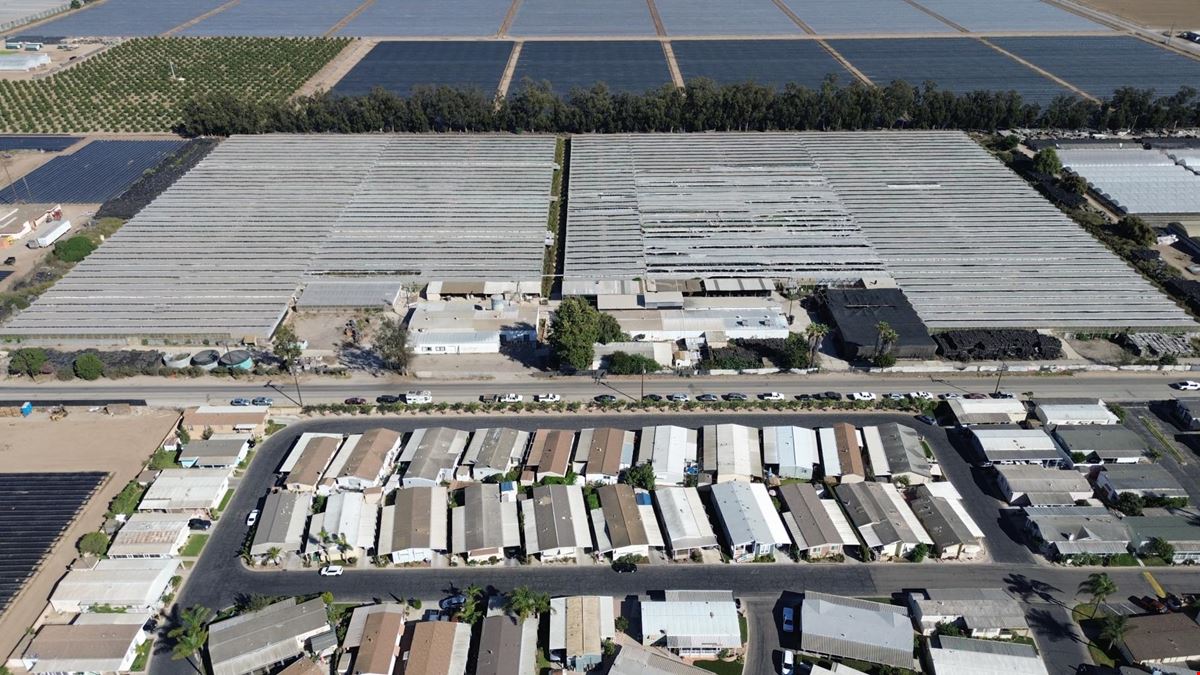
84,441
28,258
1182,14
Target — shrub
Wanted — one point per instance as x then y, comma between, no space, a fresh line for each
88,367
27,361
93,543
623,363
74,249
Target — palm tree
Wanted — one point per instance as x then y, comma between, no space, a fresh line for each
886,339
191,633
1100,586
471,611
815,332
273,554
1114,629
524,602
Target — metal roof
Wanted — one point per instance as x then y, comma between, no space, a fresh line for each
555,518
903,449
483,522
270,635
1154,478
684,518
942,522
1016,445
1108,441
605,451
979,608
431,454
495,450
965,656
190,489
507,646
685,622
880,514
670,449
418,519
747,514
792,449
622,518
84,647
1162,637
1136,179
1071,534
124,582
856,629
149,534
732,451
808,520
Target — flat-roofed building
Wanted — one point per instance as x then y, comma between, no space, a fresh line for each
967,656
345,529
850,454
262,639
196,491
549,455
151,535
684,521
435,648
507,646
378,646
309,466
217,452
603,453
1143,480
618,524
691,623
92,643
731,452
749,521
1054,413
431,455
1161,639
579,625
1066,532
862,630
556,522
971,412
281,523
1019,446
672,450
369,461
979,612
484,526
905,453
952,531
135,585
462,327
818,526
413,528
791,452
886,523
1102,443
246,420
1035,485
493,452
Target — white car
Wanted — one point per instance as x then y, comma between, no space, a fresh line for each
772,396
862,396
252,518
679,398
547,398
920,395
511,398
1187,385
332,571
788,665
951,396
896,396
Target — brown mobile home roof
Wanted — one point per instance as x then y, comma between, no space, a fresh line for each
380,641
367,458
551,451
431,647
815,526
604,455
1162,637
621,515
848,450
196,417
312,462
417,519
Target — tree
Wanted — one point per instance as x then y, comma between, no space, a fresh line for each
1046,161
1161,548
28,361
624,363
607,329
795,351
93,543
1114,629
391,343
1100,586
1073,183
639,476
948,628
1135,230
524,602
815,332
919,552
74,249
88,366
273,554
885,340
287,347
1130,503
574,331
473,607
191,633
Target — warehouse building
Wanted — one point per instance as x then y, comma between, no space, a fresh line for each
435,648
431,455
507,646
817,526
621,526
850,628
715,320
979,612
790,452
133,585
1102,443
194,491
1019,446
493,452
1143,480
281,524
731,452
265,638
217,452
969,412
885,522
749,521
1066,532
966,656
345,529
685,523
1033,485
92,643
603,453
457,327
1053,413
952,537
672,450
855,314
485,525
368,461
555,521
373,636
692,623
904,452
413,529
549,455
151,535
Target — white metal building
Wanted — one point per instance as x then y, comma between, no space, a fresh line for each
731,452
136,585
692,623
186,490
685,523
151,535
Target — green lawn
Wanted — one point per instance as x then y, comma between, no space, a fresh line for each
224,503
194,545
721,667
1090,620
143,655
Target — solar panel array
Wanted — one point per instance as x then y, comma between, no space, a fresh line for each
128,18
852,17
959,65
44,143
558,18
400,66
94,174
275,18
1137,180
632,66
773,63
224,250
35,510
669,206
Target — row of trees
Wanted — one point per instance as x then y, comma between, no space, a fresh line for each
700,106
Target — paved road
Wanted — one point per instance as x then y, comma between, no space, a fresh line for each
218,578
159,391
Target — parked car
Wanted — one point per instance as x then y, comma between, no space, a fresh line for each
863,396
418,397
355,400
624,567
240,402
788,665
927,420
896,396
452,602
808,397
10,260
199,524
1154,604
679,397
652,397
387,399
789,620
605,398
262,400
1173,602
547,398
920,395
708,398
772,396
252,518
332,571
976,395
1187,385
831,396
509,398
1003,394
950,396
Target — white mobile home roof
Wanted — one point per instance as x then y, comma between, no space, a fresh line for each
988,410
347,515
874,445
829,454
793,449
150,534
692,620
132,582
1067,414
1016,445
684,518
431,454
733,451
185,489
748,514
495,450
670,449
965,656
856,629
418,519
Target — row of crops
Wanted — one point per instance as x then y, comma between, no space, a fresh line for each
130,88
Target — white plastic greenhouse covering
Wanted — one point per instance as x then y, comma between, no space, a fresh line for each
1137,180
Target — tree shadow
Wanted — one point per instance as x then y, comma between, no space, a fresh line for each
1046,625
526,354
1028,589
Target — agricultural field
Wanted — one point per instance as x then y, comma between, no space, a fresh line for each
854,17
400,66
1154,13
630,66
129,88
94,174
772,63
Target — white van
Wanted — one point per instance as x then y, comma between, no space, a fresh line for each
416,397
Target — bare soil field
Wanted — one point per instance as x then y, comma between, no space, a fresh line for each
1182,14
83,441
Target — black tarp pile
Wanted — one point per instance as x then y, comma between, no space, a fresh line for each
996,345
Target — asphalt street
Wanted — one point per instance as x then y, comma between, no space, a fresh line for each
219,577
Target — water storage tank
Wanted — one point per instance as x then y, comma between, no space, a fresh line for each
238,358
207,359
498,303
177,360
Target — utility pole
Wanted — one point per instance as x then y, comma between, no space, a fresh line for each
643,395
296,379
